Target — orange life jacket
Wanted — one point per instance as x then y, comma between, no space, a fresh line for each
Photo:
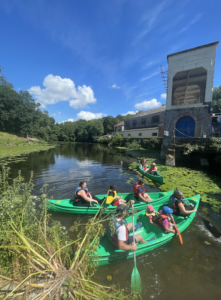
136,186
176,209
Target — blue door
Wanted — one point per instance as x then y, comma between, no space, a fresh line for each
185,127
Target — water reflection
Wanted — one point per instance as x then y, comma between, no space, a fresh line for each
190,271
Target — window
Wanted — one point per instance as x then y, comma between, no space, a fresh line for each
154,134
155,119
143,122
140,134
127,124
134,122
215,129
189,87
128,134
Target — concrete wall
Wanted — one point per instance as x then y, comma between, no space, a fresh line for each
148,118
146,133
202,57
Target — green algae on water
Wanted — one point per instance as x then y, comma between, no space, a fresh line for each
190,182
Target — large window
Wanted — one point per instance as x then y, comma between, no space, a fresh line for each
189,87
140,134
128,124
134,123
143,122
154,134
155,119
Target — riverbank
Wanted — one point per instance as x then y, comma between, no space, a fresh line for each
13,147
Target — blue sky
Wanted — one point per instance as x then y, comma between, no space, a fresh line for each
90,58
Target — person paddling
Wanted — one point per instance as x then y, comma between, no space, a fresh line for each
139,192
83,197
120,238
180,208
116,200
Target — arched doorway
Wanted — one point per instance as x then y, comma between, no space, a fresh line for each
185,127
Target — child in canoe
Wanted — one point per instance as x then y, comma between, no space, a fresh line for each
114,199
153,169
161,219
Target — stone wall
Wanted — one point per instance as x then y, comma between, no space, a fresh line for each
200,115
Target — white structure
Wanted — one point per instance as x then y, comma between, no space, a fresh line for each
141,133
190,77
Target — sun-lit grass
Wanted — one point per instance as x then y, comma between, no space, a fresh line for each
12,145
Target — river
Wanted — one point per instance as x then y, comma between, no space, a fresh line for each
172,271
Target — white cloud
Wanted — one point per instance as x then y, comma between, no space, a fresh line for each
148,104
87,115
62,89
59,112
150,76
163,96
54,115
114,86
130,113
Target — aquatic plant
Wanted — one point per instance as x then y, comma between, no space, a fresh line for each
189,181
38,260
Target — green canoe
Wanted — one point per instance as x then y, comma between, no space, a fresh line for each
158,178
67,206
108,254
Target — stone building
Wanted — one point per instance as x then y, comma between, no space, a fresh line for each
147,124
189,94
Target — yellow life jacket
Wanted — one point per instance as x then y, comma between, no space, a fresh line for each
110,198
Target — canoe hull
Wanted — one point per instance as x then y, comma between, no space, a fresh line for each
109,254
152,177
66,205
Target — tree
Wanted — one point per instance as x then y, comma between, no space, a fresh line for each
216,100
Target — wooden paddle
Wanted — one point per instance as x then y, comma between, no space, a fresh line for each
215,232
177,230
135,276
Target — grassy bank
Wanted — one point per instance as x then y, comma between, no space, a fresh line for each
12,146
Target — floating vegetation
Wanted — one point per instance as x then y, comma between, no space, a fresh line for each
189,181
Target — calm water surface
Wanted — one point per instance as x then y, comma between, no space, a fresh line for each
190,271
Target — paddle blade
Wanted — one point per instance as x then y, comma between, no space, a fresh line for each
215,232
163,169
136,286
180,236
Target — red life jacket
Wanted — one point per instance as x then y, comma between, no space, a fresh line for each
142,162
176,209
136,186
113,238
161,218
78,197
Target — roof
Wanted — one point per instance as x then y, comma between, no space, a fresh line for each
121,123
192,49
149,112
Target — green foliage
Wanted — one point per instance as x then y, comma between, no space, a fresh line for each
135,145
216,100
117,140
152,143
37,258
